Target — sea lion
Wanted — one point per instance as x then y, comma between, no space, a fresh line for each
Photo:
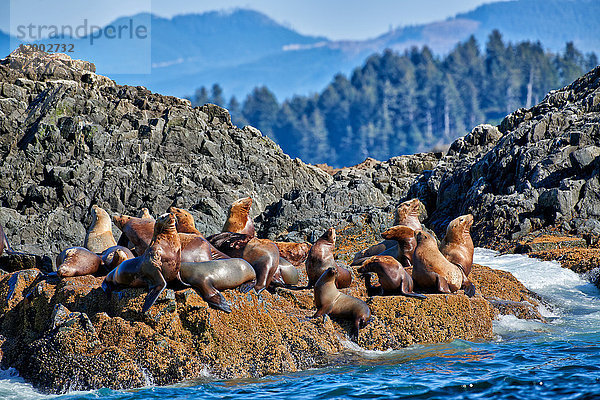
114,256
145,213
393,278
99,236
329,300
137,232
407,214
185,220
287,273
295,253
262,254
211,276
457,245
159,264
431,270
239,220
77,261
320,257
404,236
195,248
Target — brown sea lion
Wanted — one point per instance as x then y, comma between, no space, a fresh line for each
457,245
320,257
77,261
404,236
407,214
295,253
431,270
185,220
210,277
287,273
99,236
195,248
159,264
262,254
239,220
114,256
393,278
329,300
138,231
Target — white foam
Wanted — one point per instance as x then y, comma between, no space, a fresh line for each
13,387
575,301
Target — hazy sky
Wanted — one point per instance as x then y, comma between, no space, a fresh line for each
335,19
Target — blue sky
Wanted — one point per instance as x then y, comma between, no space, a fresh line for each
335,19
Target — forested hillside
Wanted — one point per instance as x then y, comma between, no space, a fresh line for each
405,103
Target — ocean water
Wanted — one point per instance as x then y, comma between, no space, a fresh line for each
526,360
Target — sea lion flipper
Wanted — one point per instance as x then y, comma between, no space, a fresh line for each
415,295
157,284
442,285
469,288
247,286
323,311
219,302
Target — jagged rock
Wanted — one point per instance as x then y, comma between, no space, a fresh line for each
546,242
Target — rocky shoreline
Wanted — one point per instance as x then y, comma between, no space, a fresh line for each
70,138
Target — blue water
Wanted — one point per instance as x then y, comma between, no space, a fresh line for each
526,360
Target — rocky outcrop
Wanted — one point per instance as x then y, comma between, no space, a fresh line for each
70,138
64,335
540,168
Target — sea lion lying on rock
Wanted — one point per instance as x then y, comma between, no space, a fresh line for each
295,253
137,232
114,256
159,264
262,254
77,261
329,300
393,278
407,214
212,276
320,257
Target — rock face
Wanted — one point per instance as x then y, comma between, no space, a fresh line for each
70,138
540,168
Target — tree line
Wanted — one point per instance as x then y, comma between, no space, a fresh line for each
405,103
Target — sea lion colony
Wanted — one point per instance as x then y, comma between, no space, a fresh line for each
154,252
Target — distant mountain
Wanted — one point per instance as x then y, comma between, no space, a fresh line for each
242,49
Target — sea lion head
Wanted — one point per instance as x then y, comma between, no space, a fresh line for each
183,217
329,236
399,233
374,263
100,219
459,227
424,238
329,275
241,205
165,223
121,220
410,208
